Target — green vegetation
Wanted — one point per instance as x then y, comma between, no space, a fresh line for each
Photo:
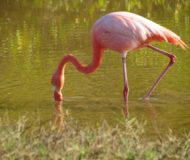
71,141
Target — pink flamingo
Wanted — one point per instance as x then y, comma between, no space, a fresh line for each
121,32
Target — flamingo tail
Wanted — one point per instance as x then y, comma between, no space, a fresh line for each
169,36
163,34
175,39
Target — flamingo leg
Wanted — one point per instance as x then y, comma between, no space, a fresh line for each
126,87
172,60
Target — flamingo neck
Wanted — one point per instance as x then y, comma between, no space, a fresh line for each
86,69
58,77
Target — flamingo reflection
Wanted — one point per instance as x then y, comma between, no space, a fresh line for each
59,114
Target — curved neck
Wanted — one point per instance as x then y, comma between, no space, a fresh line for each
96,61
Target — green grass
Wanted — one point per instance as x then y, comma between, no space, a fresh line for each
127,141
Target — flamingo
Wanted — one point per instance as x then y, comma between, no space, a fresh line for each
121,32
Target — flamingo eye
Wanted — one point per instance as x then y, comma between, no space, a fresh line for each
106,32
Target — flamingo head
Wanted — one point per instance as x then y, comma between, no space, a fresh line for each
58,83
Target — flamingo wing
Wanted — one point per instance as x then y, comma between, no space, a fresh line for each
124,31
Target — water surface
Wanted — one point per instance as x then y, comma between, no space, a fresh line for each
35,35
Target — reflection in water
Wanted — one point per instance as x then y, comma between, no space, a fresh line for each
59,114
153,117
125,110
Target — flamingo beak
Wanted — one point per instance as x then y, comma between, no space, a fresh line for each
58,96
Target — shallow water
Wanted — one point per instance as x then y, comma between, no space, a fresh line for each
35,35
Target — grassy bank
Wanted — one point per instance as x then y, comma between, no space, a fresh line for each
26,140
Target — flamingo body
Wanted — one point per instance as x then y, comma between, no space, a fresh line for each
121,32
124,31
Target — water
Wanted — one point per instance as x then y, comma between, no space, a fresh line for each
35,35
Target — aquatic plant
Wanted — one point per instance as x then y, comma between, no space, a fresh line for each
25,140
